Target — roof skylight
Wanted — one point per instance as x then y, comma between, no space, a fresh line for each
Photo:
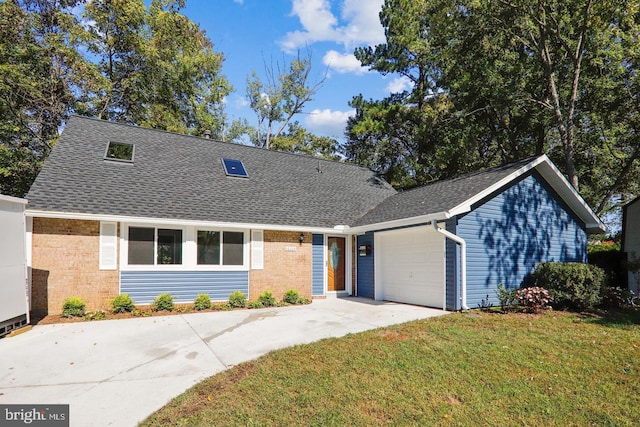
119,151
234,167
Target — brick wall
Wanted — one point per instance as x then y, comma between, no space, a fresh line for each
284,267
65,263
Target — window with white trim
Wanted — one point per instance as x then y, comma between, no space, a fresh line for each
220,247
154,246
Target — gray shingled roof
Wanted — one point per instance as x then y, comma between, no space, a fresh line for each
438,197
182,177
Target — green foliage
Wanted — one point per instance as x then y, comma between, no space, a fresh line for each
508,298
573,286
237,299
122,303
300,141
493,82
95,315
73,307
255,304
612,260
291,296
202,302
267,299
163,302
141,313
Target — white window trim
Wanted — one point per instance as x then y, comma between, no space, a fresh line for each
108,246
189,250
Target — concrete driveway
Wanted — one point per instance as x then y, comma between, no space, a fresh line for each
118,372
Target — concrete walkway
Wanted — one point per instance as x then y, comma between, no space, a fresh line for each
117,372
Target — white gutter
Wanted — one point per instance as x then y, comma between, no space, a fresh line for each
463,261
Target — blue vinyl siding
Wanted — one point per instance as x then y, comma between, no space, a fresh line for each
144,286
508,234
452,268
317,269
366,273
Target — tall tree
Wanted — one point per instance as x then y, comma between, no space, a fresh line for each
41,72
159,67
519,78
284,93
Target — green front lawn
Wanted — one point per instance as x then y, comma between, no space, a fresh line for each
554,369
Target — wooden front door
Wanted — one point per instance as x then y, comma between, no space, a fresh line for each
335,263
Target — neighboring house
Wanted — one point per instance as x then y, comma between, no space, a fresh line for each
14,307
631,242
123,209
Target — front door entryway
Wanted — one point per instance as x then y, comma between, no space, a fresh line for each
336,263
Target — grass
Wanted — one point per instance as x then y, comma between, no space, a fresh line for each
553,369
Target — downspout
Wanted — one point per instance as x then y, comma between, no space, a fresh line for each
463,261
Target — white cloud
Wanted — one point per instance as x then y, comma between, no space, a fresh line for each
359,24
239,1
399,84
328,123
343,63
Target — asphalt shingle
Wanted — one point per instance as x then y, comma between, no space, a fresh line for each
182,177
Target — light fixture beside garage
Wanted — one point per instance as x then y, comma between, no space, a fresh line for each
364,250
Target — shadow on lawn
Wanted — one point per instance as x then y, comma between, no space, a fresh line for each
614,318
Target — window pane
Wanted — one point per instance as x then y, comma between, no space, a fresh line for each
209,247
120,151
232,248
141,245
169,246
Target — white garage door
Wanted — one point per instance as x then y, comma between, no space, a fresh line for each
410,266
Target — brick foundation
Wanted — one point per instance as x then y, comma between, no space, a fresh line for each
65,263
284,268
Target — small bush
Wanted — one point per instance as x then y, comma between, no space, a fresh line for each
291,297
267,299
202,302
255,304
485,304
141,313
572,285
163,302
183,308
617,297
95,315
508,298
237,299
73,307
122,304
534,299
221,306
304,301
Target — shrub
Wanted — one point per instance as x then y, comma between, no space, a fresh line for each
572,285
533,299
163,302
255,304
267,299
291,296
508,298
73,307
304,301
237,299
95,315
485,304
202,302
617,297
122,304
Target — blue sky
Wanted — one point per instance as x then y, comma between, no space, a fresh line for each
250,32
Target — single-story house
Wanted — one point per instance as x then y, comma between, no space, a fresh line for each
123,209
631,242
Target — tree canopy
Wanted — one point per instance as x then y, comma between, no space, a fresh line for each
492,82
121,61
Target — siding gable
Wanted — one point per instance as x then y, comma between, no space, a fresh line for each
509,233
